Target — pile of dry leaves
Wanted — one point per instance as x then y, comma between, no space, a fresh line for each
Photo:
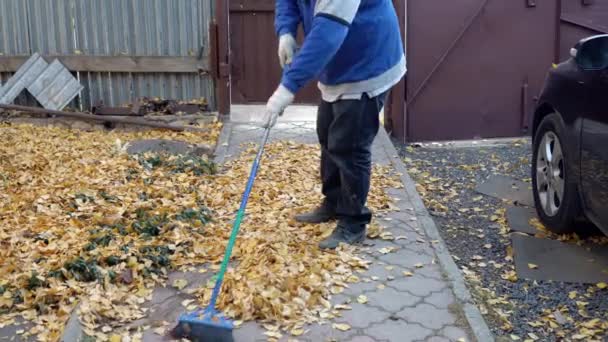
82,223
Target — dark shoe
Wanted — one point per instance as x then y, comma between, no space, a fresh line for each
320,215
342,235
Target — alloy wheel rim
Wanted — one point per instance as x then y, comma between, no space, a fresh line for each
550,174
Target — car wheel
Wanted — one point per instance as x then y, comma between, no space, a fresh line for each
555,192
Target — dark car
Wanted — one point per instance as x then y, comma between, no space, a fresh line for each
570,139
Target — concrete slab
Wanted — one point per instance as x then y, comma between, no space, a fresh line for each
544,259
254,113
519,218
507,188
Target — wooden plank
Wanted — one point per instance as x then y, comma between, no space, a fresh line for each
252,5
134,64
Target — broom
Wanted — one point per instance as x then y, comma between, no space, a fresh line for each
209,325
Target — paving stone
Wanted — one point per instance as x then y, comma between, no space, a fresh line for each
362,316
325,332
360,287
381,271
391,300
150,336
161,294
376,244
418,285
441,299
248,332
438,339
404,219
428,316
361,339
454,333
169,310
420,248
341,299
431,271
12,329
398,331
404,256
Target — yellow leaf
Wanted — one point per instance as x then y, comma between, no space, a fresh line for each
572,294
297,332
160,331
341,326
274,334
187,302
515,337
386,250
533,336
180,284
115,338
362,299
602,285
532,266
408,274
132,262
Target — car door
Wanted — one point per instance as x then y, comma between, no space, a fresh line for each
594,154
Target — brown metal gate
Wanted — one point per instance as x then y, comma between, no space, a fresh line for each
255,71
475,66
580,19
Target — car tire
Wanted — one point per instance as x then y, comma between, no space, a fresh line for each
550,177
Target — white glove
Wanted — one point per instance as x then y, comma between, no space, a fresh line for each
287,49
277,103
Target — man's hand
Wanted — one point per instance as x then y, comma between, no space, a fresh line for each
287,49
277,103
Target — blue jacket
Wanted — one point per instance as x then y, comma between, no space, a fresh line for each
353,47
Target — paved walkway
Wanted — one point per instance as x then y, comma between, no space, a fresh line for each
432,305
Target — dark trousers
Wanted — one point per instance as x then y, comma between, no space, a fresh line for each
346,131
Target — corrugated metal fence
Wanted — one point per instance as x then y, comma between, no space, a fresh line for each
114,28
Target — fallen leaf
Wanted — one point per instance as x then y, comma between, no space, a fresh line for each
602,285
419,265
532,266
362,299
274,334
386,250
408,274
341,326
180,284
297,332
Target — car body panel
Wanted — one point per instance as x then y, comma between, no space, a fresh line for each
580,97
565,94
594,153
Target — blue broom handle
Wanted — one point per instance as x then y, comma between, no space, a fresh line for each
237,222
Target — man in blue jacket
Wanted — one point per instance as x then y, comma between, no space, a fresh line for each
354,49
